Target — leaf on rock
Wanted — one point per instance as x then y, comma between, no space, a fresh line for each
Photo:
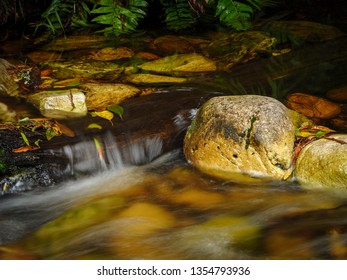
117,109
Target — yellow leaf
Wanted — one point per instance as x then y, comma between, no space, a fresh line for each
306,134
94,125
104,114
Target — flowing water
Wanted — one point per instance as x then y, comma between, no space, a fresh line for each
167,210
142,200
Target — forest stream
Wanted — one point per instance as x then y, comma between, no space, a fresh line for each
140,199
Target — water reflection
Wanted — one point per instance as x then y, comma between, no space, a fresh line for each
312,68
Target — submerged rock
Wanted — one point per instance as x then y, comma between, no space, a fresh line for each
220,237
100,96
6,114
323,163
191,62
76,42
170,44
338,94
39,56
107,54
85,69
248,134
154,79
304,30
239,47
60,104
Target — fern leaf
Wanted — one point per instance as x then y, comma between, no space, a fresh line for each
178,14
120,18
103,10
234,14
62,14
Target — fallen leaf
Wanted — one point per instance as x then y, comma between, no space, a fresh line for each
46,72
25,149
98,148
66,130
68,83
25,139
37,142
94,125
117,109
103,114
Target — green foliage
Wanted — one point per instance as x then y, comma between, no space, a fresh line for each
116,109
120,18
238,14
123,16
62,14
25,139
178,14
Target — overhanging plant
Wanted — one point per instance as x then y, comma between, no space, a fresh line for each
116,17
120,17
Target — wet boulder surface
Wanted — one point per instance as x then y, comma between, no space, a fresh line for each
247,134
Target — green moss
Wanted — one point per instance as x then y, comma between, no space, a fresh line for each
249,131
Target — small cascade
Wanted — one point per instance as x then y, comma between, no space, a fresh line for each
103,153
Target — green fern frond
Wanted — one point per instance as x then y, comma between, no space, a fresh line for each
120,18
234,14
178,14
238,14
64,13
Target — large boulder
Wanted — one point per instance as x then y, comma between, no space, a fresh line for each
249,134
323,163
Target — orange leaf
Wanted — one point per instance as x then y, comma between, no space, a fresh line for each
24,149
46,72
66,130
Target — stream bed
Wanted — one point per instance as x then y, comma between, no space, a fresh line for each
140,199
